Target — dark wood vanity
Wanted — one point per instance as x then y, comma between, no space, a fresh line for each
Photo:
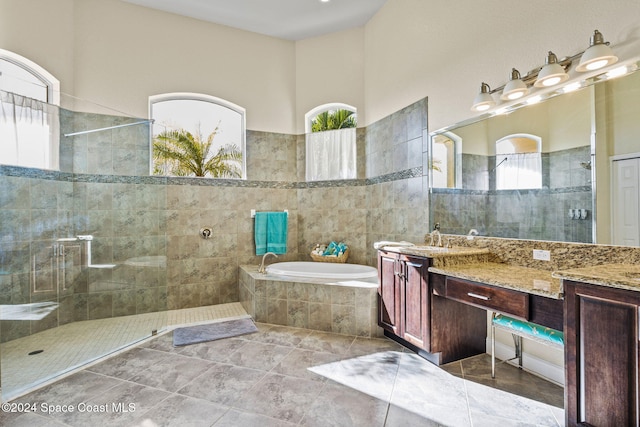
443,318
412,314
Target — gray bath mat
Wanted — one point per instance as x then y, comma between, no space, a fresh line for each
213,331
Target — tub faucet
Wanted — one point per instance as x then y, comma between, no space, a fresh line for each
436,232
472,233
262,268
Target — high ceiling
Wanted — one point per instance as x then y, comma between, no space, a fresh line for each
285,19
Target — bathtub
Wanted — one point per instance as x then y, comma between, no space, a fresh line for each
332,297
322,270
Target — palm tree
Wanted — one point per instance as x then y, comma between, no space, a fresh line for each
180,153
329,120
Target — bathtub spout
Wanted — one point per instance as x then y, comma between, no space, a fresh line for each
262,268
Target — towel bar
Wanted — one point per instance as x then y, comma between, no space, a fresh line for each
253,212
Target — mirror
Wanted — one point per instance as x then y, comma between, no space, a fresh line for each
531,173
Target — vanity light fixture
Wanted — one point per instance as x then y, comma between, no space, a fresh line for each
617,72
483,100
534,100
571,87
598,55
515,89
552,73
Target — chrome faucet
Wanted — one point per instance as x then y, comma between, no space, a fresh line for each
473,232
262,268
435,232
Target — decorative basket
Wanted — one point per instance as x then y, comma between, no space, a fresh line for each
320,258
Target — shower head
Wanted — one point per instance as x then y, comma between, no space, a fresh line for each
586,165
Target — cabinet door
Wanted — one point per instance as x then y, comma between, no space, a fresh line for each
388,293
415,314
601,355
625,206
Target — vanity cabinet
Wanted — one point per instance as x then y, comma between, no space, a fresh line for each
601,355
403,305
413,310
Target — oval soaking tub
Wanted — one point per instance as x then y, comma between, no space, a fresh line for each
322,270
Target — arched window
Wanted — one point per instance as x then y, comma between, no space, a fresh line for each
197,135
29,126
331,142
518,162
445,167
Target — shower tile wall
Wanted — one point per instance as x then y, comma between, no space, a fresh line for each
271,156
104,190
205,271
125,222
33,213
396,158
120,151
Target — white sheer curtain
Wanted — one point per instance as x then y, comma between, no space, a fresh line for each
331,155
518,171
28,132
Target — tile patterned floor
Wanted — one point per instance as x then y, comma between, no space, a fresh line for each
263,379
73,345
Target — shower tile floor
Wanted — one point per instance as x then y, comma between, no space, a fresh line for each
70,346
283,376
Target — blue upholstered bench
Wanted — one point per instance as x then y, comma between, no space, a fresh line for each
519,329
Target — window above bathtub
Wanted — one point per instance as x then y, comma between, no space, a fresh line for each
197,135
29,124
331,142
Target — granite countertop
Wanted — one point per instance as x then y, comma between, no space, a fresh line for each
621,276
524,279
479,265
434,251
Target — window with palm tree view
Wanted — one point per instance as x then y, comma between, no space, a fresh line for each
331,143
197,135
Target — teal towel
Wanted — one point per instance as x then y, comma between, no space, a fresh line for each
271,232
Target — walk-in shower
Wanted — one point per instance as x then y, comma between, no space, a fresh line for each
73,287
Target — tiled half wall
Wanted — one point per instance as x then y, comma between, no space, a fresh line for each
315,304
131,215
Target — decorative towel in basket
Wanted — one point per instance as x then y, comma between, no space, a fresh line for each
333,252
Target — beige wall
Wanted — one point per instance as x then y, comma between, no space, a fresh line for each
117,54
444,50
330,69
623,113
42,31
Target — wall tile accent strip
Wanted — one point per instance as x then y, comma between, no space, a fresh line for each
50,175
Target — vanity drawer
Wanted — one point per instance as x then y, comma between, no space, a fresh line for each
489,297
